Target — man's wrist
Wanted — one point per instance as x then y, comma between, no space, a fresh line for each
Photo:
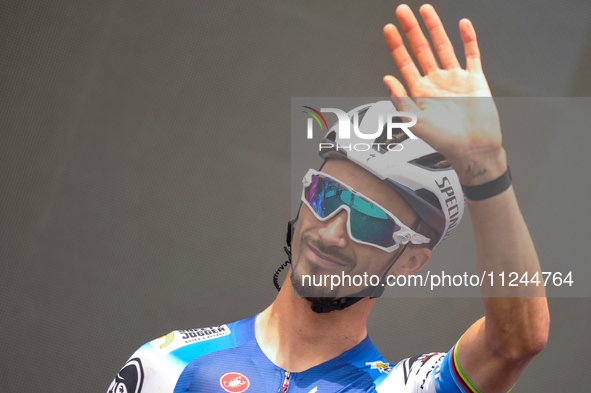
481,168
488,190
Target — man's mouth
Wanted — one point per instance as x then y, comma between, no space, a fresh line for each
319,258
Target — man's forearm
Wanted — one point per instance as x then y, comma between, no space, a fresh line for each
515,326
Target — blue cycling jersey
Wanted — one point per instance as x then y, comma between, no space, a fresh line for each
227,358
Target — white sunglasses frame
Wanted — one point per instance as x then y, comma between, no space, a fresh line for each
403,236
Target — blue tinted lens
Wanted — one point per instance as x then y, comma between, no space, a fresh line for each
368,222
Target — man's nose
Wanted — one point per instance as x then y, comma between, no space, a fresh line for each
334,232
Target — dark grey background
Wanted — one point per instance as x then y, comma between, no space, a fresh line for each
144,169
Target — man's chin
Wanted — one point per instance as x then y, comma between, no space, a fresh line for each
319,294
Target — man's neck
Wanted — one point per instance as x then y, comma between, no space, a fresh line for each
295,338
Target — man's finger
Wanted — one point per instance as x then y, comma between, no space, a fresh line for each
395,87
418,43
398,95
441,43
470,46
400,55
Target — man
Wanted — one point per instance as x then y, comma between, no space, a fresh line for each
319,343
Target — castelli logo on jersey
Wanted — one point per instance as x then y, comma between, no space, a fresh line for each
234,382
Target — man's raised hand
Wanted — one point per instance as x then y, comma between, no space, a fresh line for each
466,131
450,80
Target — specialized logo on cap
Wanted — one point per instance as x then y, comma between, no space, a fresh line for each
451,204
234,382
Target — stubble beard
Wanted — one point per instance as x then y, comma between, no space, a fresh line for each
320,295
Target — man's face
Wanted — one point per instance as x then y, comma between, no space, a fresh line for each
324,247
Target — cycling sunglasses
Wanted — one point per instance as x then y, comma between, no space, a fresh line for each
367,223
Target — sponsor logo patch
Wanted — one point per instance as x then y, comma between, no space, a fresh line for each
423,359
234,382
129,379
180,338
384,367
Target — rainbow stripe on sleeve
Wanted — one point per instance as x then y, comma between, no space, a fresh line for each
459,374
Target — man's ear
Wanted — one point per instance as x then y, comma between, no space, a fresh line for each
411,263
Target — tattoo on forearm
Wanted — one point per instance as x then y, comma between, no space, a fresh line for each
473,171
